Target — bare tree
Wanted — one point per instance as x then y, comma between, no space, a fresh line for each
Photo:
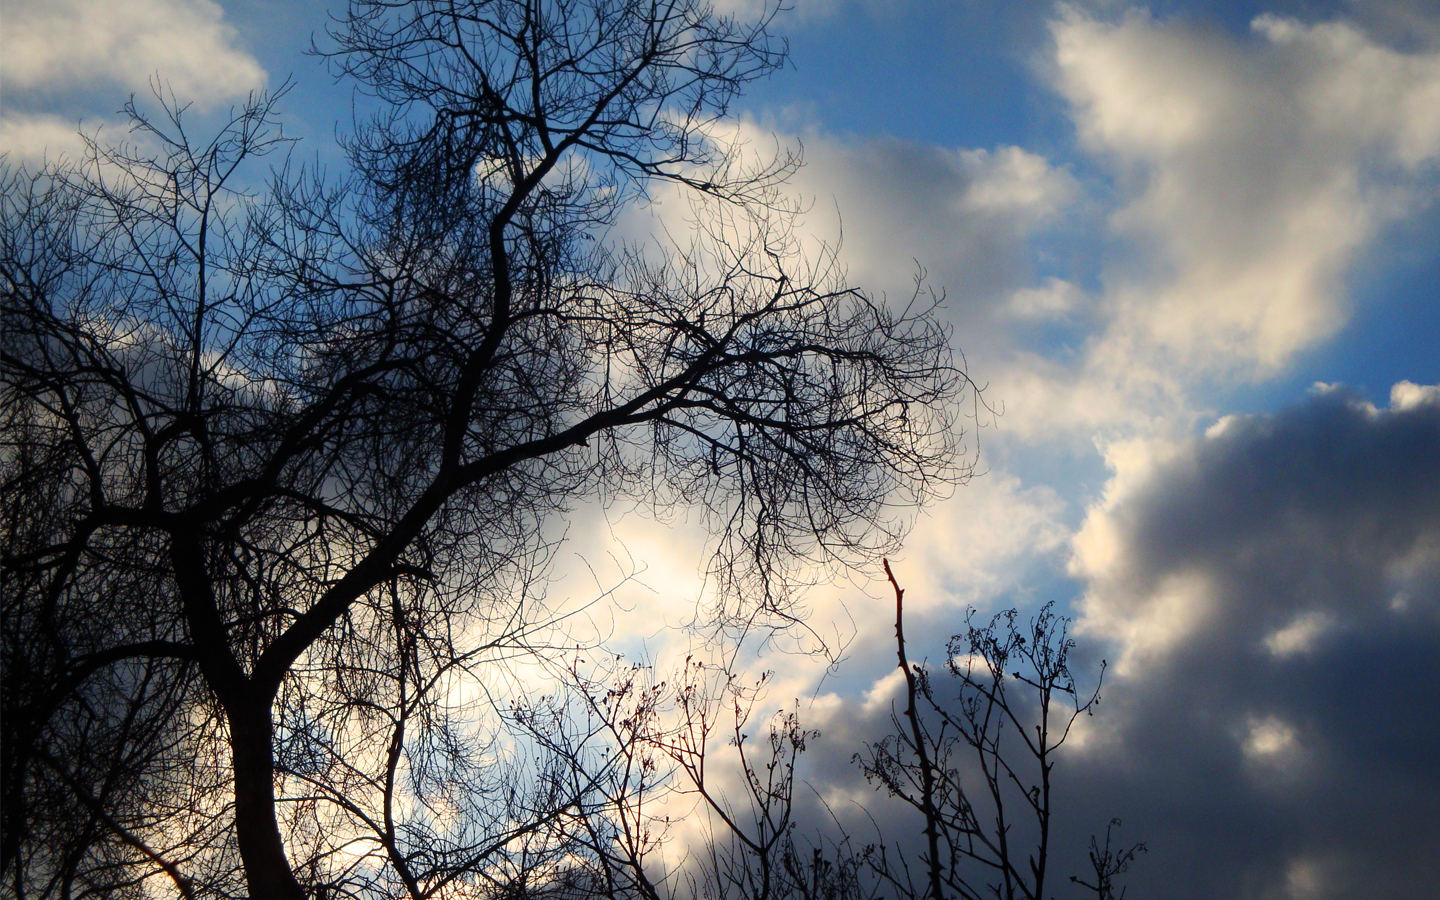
278,462
695,747
979,769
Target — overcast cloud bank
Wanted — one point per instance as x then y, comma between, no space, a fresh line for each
1274,591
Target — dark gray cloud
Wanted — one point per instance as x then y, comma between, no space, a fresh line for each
1280,741
1274,731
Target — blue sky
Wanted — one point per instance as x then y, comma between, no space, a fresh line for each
1193,249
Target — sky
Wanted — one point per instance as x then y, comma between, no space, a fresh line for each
1191,250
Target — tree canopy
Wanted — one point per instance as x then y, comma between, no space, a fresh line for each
279,454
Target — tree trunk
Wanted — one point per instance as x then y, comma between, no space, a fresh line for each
267,871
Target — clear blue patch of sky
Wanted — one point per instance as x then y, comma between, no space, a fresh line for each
955,74
279,34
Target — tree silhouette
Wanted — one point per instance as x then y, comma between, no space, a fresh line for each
278,461
975,769
979,768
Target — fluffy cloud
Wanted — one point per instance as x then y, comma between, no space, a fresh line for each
963,215
894,207
1253,174
1251,159
1273,591
66,43
33,137
71,48
1325,505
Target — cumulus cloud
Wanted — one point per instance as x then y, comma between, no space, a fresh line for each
1306,502
964,215
35,137
893,207
1271,592
1254,172
78,48
1272,589
1251,157
66,43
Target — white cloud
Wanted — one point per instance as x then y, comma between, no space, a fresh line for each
1361,92
1408,395
884,693
963,215
895,206
69,43
1270,740
968,550
1054,299
1300,635
33,138
1254,173
1014,182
